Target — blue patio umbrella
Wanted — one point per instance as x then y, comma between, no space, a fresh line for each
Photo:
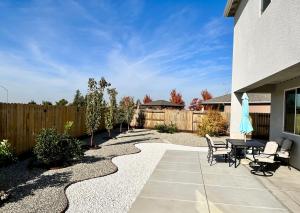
245,126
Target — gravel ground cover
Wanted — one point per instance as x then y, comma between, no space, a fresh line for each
116,192
40,190
184,138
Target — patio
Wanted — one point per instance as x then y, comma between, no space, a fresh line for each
184,182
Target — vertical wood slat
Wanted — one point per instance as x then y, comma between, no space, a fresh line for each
190,120
20,123
261,124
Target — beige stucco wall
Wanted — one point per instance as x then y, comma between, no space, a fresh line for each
264,44
253,109
267,43
276,123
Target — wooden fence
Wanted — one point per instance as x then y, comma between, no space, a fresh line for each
261,125
189,120
185,120
20,123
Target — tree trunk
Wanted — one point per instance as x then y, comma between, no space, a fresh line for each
128,127
109,133
121,127
92,136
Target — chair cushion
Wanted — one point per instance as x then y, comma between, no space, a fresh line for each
279,141
283,154
286,145
265,159
221,151
271,148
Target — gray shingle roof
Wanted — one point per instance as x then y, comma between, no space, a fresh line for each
162,103
253,98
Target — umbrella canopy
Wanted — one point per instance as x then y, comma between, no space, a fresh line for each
245,126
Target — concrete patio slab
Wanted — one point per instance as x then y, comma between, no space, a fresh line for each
179,159
242,196
223,169
194,167
176,176
177,191
183,183
149,205
178,153
232,181
220,208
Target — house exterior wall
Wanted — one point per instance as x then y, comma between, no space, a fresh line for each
267,43
252,108
277,118
264,44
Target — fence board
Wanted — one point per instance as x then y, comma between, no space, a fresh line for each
20,123
261,125
186,120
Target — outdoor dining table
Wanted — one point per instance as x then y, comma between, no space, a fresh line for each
241,144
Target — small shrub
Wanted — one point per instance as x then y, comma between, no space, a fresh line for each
172,128
6,154
213,123
55,149
164,128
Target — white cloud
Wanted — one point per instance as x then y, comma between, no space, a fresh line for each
168,58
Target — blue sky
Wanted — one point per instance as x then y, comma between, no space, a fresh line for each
48,49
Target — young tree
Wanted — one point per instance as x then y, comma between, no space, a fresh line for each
93,109
61,102
195,104
121,115
206,95
175,97
127,104
79,99
46,103
110,115
32,102
147,99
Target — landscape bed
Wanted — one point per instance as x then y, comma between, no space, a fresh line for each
41,190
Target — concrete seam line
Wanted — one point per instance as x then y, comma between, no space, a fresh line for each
259,207
203,183
172,199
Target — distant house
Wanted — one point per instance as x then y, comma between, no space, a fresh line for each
161,104
259,103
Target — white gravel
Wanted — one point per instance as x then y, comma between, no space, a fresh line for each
117,192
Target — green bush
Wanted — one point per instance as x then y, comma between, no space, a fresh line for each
55,149
213,123
164,128
6,154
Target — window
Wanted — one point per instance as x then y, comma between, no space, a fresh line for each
292,111
264,5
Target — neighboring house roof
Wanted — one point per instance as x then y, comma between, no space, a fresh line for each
254,98
231,7
163,103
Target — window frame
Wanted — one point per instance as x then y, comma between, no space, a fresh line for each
262,5
284,101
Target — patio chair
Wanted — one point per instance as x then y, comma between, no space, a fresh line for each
261,163
216,150
216,143
284,153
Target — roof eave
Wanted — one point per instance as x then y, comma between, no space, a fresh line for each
231,7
